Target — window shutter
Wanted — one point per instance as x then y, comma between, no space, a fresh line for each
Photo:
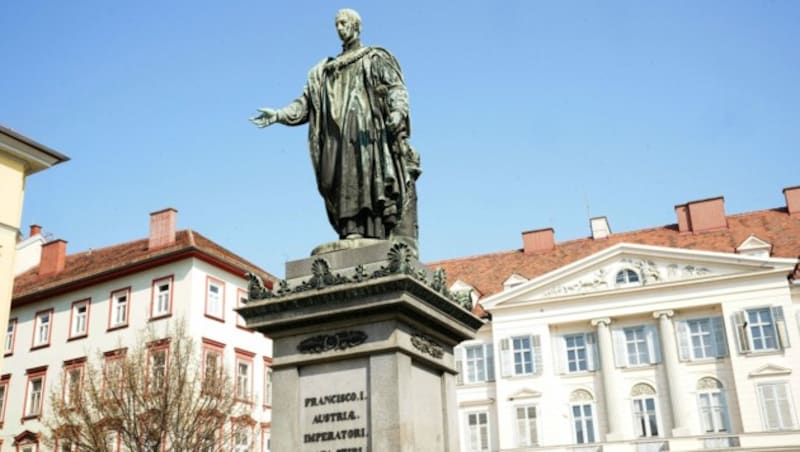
718,331
489,354
561,354
620,349
740,331
592,358
653,344
537,354
684,353
458,354
780,326
506,358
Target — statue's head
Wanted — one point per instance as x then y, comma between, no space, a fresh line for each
348,24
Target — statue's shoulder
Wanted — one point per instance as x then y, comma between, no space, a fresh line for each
379,53
319,67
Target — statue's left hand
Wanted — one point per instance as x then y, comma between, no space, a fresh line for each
267,117
395,121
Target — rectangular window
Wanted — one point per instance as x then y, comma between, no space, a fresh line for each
244,375
215,298
578,353
267,382
713,411
79,319
161,298
523,355
644,416
42,328
34,396
776,406
527,432
213,352
120,308
113,369
475,363
11,332
73,380
4,382
702,338
583,423
242,441
478,432
636,346
157,361
761,329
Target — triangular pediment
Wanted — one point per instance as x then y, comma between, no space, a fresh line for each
754,246
525,393
770,370
627,266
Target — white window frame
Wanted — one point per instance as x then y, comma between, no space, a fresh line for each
591,433
247,435
475,432
43,328
69,384
157,369
644,417
709,332
785,416
475,369
623,278
10,338
590,358
34,400
244,380
636,338
119,306
4,384
162,297
713,418
526,430
650,342
79,322
215,298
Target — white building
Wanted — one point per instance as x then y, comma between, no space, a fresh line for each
684,337
67,308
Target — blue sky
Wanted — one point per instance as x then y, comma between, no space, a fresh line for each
524,112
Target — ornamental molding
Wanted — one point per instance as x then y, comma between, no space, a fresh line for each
642,389
525,393
326,342
427,345
770,370
581,395
708,384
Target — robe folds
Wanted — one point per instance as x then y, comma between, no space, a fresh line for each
358,161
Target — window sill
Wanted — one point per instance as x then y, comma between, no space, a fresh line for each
702,361
39,347
639,367
8,354
245,401
116,327
32,417
778,351
475,383
160,317
212,317
578,374
75,338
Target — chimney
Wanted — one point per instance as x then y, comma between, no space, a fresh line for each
54,256
538,240
162,228
792,195
35,230
600,227
701,216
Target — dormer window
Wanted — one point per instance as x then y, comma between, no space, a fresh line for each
627,277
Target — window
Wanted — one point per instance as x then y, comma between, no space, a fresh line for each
212,362
120,308
582,423
242,441
578,353
42,328
527,432
157,360
73,380
644,410
521,355
241,300
267,382
761,329
161,298
712,405
776,406
626,277
11,331
244,375
34,395
475,363
636,346
113,368
478,432
215,299
4,381
701,339
79,319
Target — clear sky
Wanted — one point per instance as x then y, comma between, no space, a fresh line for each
523,111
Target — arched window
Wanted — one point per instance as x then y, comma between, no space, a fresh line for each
582,411
626,276
645,414
712,405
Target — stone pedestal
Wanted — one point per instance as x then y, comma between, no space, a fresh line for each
363,355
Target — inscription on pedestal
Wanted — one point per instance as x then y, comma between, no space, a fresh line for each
334,407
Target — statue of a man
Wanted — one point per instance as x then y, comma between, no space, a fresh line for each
356,106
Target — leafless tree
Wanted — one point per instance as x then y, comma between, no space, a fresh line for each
155,396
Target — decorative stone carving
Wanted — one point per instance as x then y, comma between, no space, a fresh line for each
676,271
599,281
647,270
642,389
581,395
708,383
327,342
427,345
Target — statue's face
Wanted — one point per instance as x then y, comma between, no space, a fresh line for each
346,27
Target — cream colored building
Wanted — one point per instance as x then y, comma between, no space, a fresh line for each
684,337
68,308
19,158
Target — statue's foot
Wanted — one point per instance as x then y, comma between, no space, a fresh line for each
354,236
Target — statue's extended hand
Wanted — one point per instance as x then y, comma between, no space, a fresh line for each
267,117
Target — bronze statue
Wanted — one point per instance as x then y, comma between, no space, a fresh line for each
356,106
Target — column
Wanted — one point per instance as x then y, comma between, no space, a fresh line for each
669,352
612,402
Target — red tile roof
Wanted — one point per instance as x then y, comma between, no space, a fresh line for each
487,272
93,266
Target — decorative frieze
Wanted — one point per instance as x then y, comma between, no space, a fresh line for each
427,345
327,342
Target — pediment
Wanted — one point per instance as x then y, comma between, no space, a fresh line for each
525,393
754,246
628,266
770,370
513,281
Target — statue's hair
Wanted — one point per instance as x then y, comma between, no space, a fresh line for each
352,15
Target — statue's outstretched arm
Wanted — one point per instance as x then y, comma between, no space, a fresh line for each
294,114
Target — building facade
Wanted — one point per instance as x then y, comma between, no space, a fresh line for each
684,337
19,158
68,309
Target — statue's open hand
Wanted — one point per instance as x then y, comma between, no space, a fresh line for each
267,117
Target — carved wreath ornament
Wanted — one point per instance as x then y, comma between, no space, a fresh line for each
327,342
427,345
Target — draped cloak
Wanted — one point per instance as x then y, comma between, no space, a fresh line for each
358,161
